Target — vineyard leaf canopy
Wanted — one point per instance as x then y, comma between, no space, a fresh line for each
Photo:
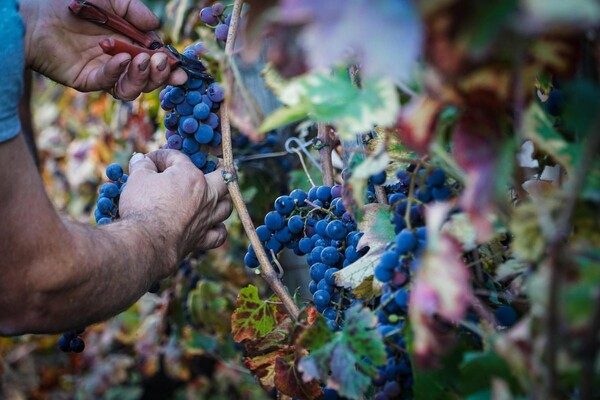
345,354
383,36
539,128
333,99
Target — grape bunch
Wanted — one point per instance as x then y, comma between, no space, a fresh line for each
193,127
71,342
415,187
213,16
107,205
315,225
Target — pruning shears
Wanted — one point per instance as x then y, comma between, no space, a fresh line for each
148,42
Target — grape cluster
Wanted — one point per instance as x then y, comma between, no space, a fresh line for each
108,200
193,126
316,225
213,16
71,342
415,187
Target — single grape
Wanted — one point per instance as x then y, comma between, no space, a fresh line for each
263,233
175,142
77,345
217,9
317,271
321,298
296,224
201,111
215,92
114,172
405,241
336,230
274,221
204,134
208,17
109,190
105,205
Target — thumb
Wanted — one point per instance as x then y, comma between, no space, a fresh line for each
140,162
137,13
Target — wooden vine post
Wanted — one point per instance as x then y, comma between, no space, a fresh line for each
230,175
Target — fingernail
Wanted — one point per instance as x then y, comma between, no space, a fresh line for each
162,65
144,66
136,157
125,63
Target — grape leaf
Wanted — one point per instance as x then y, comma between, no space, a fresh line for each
417,123
441,287
271,358
342,360
478,369
378,232
288,379
538,127
363,27
253,318
333,99
207,305
549,12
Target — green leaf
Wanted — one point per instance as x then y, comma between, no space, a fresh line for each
378,232
207,305
548,12
253,318
333,99
340,360
283,116
317,336
540,130
578,299
478,369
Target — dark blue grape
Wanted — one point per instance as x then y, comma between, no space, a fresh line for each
336,230
321,298
317,271
274,221
299,196
296,224
114,172
405,241
284,205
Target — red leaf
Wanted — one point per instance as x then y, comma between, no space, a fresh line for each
417,122
477,142
288,380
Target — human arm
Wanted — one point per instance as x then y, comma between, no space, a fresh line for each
59,275
65,48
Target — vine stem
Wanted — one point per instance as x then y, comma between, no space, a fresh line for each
267,271
325,154
555,246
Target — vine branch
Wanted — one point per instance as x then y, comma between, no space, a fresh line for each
325,154
555,256
229,173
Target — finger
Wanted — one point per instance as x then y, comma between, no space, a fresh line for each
223,209
159,72
139,162
134,81
166,158
177,77
215,181
137,13
110,72
215,237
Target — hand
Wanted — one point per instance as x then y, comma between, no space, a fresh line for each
65,48
167,191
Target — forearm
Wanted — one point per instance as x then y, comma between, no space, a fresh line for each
59,275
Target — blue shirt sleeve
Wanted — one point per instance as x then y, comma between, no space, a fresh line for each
12,58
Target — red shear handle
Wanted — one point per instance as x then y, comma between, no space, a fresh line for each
93,13
115,46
